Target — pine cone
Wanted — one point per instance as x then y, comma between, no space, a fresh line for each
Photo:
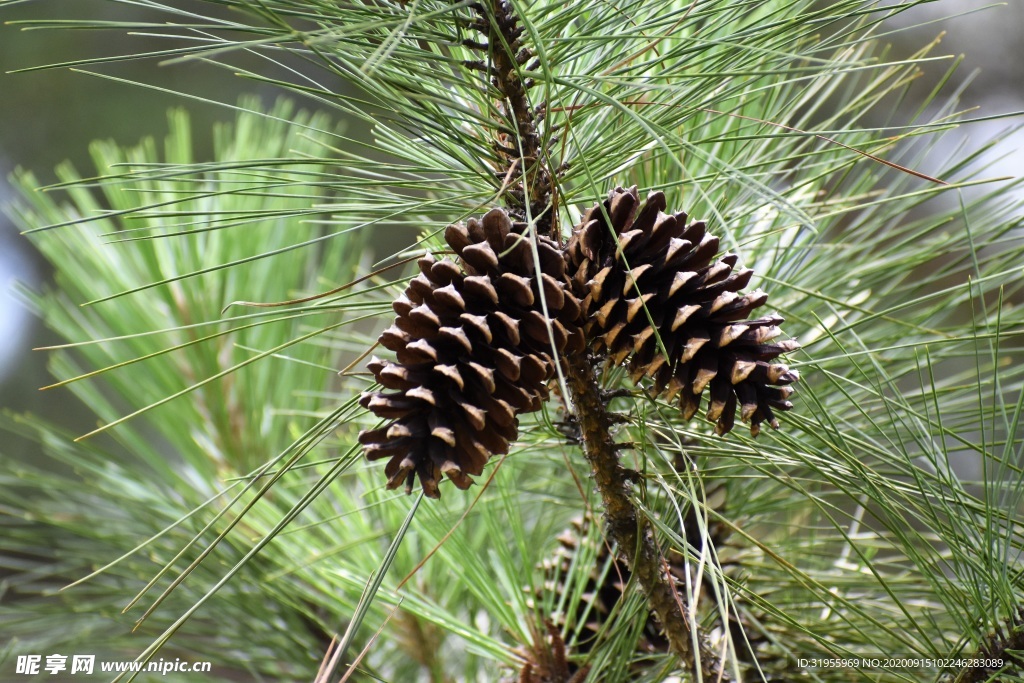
604,589
474,350
653,292
605,586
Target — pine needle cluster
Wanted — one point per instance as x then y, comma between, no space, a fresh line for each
218,315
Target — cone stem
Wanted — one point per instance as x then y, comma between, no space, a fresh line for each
629,528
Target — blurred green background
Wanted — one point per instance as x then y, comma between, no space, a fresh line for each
52,115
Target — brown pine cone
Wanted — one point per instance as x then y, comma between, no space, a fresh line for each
653,292
474,349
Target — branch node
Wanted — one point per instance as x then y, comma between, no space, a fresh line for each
609,394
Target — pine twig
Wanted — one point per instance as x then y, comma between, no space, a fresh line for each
630,529
507,56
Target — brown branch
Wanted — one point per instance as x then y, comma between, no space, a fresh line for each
630,529
507,57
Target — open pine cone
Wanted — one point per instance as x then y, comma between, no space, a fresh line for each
653,292
474,350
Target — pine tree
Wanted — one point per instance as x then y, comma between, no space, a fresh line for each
256,335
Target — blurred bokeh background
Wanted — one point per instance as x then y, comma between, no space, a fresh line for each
50,116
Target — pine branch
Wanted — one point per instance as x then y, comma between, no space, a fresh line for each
629,529
508,60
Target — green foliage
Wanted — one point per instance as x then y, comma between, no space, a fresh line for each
883,520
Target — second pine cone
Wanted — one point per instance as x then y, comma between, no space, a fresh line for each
654,293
